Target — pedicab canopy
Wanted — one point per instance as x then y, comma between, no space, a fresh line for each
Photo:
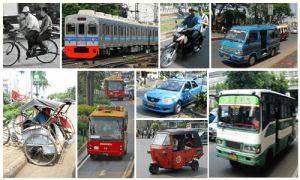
43,103
176,132
67,101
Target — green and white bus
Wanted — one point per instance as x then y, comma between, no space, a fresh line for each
255,125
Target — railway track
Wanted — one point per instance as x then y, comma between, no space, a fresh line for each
112,62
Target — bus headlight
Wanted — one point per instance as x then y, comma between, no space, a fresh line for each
252,148
239,52
220,141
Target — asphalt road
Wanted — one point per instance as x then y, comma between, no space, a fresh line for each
198,60
218,62
284,164
34,62
143,160
111,167
142,112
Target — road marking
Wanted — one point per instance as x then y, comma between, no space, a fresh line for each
112,103
83,162
102,173
124,174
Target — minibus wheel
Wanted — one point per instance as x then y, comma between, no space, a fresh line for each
153,168
251,60
273,52
234,163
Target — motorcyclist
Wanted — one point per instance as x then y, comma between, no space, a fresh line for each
193,22
180,11
204,24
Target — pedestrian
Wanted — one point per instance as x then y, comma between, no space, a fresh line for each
142,134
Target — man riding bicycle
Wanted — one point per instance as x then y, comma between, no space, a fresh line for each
32,28
204,24
193,22
46,29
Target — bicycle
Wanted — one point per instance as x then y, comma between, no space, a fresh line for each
11,51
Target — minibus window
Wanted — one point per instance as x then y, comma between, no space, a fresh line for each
253,36
271,34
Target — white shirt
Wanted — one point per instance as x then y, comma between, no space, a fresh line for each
32,23
204,18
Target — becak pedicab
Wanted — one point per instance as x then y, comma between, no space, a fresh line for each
43,142
175,148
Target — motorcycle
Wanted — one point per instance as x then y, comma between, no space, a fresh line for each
180,14
178,46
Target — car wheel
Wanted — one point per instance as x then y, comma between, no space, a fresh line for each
153,168
177,107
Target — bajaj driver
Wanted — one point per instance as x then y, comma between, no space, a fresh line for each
193,22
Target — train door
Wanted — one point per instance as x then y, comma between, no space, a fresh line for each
70,37
116,28
102,29
133,36
139,39
130,35
81,34
122,39
92,34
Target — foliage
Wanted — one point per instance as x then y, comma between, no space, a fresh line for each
85,110
81,99
278,84
222,86
81,125
201,100
11,110
6,95
101,99
131,82
161,77
73,8
82,117
154,126
293,81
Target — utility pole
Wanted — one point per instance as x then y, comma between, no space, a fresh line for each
31,80
136,11
155,13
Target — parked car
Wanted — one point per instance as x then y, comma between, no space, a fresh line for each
128,88
126,80
6,101
294,31
203,137
213,129
171,95
191,76
204,87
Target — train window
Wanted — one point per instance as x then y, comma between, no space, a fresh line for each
92,29
107,30
116,30
111,29
137,32
122,31
70,29
103,29
81,29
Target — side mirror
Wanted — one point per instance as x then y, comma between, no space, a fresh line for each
186,90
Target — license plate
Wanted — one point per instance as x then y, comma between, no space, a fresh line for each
226,56
105,154
151,104
96,147
232,156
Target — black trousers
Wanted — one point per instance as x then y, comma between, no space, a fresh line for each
192,37
30,38
41,38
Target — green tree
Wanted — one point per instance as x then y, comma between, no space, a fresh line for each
246,79
278,83
154,126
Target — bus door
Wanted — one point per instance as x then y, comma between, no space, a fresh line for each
125,131
277,112
81,34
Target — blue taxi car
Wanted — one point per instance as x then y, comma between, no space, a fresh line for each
246,44
171,95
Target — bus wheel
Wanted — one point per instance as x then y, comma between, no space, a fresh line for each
120,157
273,52
234,163
93,157
251,60
288,144
153,168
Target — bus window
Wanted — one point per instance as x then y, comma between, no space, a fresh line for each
81,29
70,29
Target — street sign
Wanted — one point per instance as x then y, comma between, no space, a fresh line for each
270,9
37,77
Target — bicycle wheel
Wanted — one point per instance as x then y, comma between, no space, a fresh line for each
11,53
6,133
52,52
40,149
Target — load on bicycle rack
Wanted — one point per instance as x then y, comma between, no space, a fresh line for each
43,142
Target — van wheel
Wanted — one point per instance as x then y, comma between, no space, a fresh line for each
234,163
273,52
177,107
251,60
195,165
153,168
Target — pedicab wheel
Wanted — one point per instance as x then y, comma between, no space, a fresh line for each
177,107
34,149
153,168
6,134
251,60
51,54
11,54
195,165
234,163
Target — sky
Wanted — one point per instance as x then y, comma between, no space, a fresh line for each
146,11
59,81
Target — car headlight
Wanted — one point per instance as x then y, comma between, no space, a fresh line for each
220,141
145,95
168,99
221,47
239,52
252,148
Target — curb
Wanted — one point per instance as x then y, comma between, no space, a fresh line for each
129,169
191,110
295,174
14,168
80,151
167,35
217,38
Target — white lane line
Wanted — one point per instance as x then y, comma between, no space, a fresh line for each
83,162
124,174
111,103
102,173
166,40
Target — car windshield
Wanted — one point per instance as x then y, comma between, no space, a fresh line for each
115,85
192,76
241,112
106,128
171,85
162,139
236,35
200,80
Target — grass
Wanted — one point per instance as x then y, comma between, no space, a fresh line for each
147,85
83,139
131,57
192,115
169,26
